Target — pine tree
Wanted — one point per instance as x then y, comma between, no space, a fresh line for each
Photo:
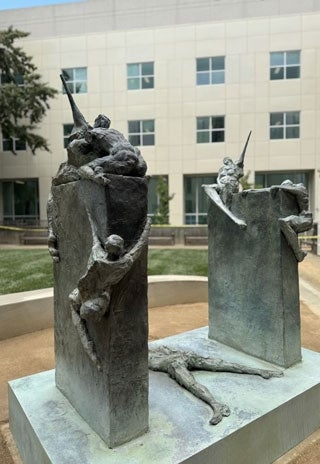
24,99
162,213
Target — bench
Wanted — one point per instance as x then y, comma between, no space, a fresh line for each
162,240
195,240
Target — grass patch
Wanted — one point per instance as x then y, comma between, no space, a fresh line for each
23,270
179,261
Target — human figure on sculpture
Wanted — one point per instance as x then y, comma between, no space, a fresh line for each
294,224
113,153
107,265
178,365
227,185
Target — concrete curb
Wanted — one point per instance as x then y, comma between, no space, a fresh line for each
25,312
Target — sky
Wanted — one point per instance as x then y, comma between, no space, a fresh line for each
11,4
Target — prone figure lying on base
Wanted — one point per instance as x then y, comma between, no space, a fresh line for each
178,365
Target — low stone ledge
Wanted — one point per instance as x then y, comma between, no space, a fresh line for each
26,312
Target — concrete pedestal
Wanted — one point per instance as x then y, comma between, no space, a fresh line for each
253,278
268,417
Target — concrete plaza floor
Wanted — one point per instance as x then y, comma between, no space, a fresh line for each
32,353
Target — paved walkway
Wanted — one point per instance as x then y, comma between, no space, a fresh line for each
32,353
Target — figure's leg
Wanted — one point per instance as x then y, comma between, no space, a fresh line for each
96,308
218,365
179,372
80,325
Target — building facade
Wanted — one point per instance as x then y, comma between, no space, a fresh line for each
186,82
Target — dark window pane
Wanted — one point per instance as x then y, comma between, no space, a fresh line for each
147,69
133,127
293,57
67,128
217,122
190,220
202,64
276,73
217,136
133,83
7,145
134,140
202,137
293,72
147,82
217,77
81,87
202,219
20,145
276,58
68,74
217,62
276,119
203,123
292,132
5,79
259,181
133,69
7,197
203,78
80,74
148,139
148,125
293,117
19,80
276,133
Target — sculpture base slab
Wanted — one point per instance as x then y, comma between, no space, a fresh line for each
268,417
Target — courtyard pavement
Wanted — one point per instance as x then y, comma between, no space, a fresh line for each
32,353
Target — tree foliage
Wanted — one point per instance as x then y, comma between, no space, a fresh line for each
162,213
24,98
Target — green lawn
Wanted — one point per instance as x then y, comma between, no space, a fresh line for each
23,270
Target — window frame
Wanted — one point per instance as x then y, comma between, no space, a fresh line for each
285,66
212,130
13,141
284,127
212,71
65,134
141,133
140,76
196,216
72,83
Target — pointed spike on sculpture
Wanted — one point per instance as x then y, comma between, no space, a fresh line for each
240,162
78,118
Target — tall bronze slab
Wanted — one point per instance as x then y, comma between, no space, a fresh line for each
253,278
113,401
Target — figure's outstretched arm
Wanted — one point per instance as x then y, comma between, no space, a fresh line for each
143,240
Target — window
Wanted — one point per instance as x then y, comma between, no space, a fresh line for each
154,197
285,65
195,198
141,132
140,76
13,144
20,201
210,129
210,70
76,79
267,179
67,128
17,79
285,125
